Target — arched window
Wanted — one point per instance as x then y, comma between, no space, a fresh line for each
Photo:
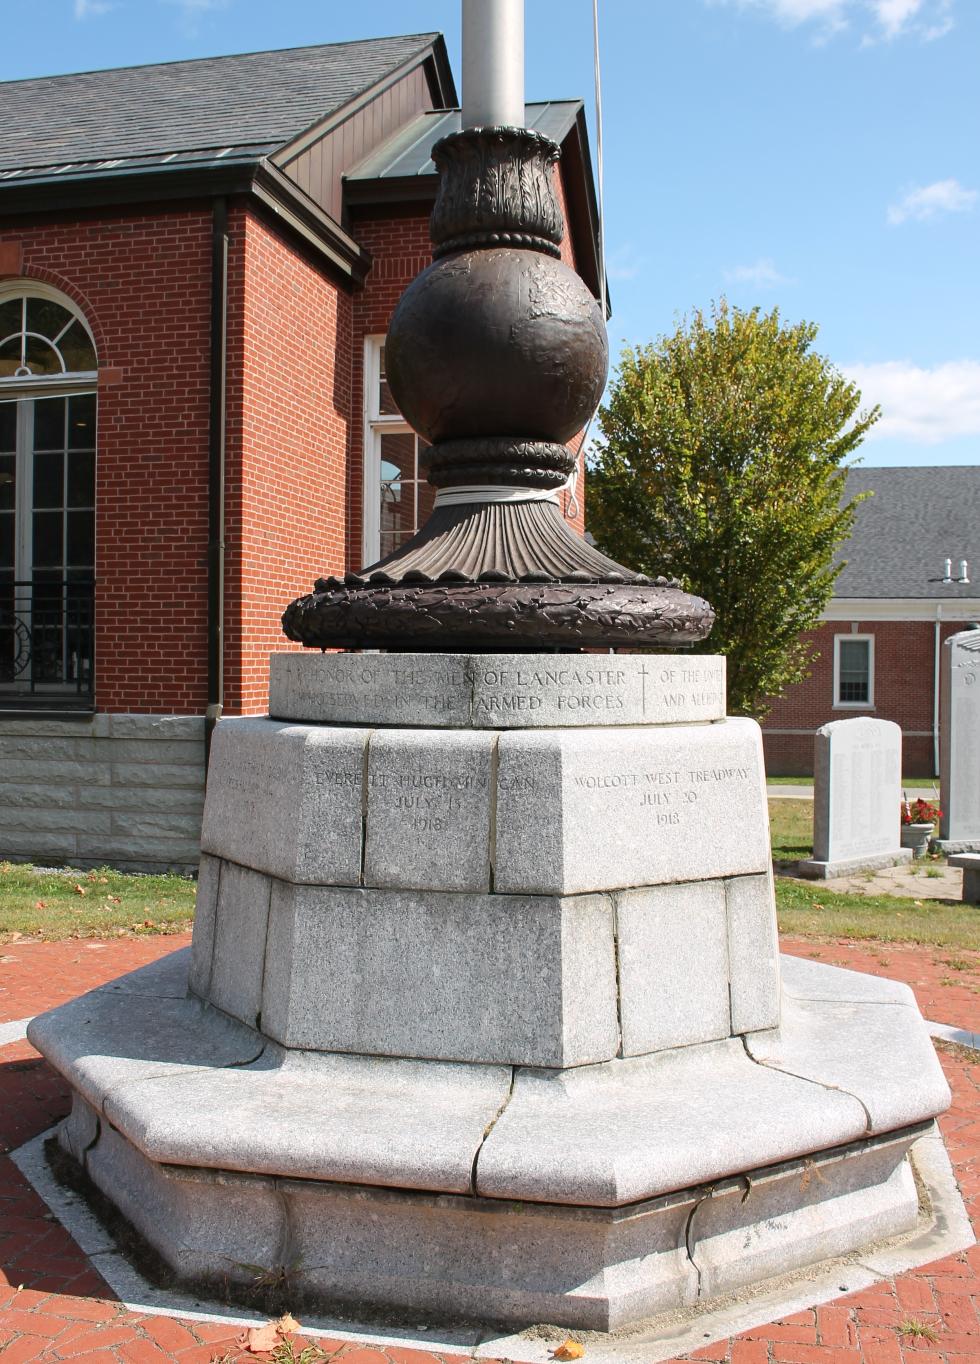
43,337
48,374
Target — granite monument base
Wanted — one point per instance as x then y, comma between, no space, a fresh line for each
848,866
970,864
485,1019
946,846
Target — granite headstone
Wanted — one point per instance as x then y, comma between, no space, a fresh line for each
959,743
857,792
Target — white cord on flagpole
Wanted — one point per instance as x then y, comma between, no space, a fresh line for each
598,153
600,226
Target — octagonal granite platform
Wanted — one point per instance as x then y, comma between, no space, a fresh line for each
490,1023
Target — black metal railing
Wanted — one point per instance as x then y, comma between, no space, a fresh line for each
47,641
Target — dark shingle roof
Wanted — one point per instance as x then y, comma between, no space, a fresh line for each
406,152
259,100
916,519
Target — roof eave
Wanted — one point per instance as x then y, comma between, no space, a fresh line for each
275,189
255,177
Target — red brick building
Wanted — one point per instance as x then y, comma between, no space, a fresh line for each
198,261
911,578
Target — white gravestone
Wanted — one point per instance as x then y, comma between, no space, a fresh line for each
857,793
959,743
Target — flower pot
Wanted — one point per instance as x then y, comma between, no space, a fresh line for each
916,837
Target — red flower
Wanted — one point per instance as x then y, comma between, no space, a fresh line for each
920,811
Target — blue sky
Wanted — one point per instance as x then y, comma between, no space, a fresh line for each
818,155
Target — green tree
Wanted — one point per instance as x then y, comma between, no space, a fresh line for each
721,462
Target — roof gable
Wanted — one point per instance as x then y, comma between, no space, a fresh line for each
916,519
401,167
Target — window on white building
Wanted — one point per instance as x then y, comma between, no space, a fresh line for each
397,498
854,671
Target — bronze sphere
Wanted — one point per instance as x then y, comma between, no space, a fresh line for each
498,342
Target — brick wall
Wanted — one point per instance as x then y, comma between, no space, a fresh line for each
289,404
294,462
143,283
904,659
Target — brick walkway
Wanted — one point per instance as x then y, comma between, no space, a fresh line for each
54,1306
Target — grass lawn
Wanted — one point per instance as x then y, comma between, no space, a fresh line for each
107,903
91,904
911,783
807,910
791,829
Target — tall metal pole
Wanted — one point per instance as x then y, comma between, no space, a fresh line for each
493,63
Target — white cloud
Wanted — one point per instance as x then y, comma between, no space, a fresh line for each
882,20
920,404
893,15
192,12
623,263
85,9
763,274
928,201
829,14
795,12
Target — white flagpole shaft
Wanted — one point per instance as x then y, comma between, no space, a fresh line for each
493,63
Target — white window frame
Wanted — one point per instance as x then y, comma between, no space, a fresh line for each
376,425
855,638
48,385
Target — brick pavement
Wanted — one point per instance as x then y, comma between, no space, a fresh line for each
54,1306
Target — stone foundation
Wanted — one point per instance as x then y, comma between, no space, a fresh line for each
119,790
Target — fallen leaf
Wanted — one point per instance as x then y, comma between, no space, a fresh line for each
79,890
260,1340
287,1325
40,904
568,1349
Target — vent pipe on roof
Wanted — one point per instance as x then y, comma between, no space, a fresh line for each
964,576
493,63
947,570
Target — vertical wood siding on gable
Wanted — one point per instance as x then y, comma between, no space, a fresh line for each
320,167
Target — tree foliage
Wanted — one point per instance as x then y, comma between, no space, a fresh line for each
721,462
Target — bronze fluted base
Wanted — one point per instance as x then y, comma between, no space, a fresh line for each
500,576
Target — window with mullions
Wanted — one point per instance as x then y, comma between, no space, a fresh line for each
40,338
47,498
397,497
854,671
